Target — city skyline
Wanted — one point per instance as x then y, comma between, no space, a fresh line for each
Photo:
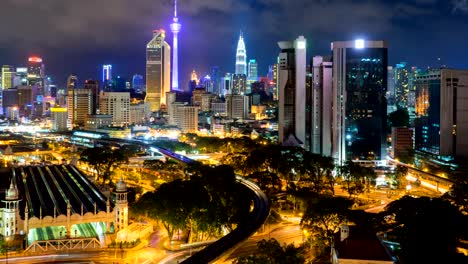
264,23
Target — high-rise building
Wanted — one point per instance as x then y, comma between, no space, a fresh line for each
36,72
21,76
292,92
226,83
215,80
158,70
401,76
241,57
8,73
137,83
253,71
391,105
93,85
175,29
239,84
116,104
72,82
319,107
79,106
359,104
106,74
186,117
237,106
441,120
194,77
402,142
170,101
59,117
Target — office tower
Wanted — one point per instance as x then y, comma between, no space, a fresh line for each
359,105
206,100
158,70
8,73
10,98
441,122
226,83
72,82
119,84
186,118
401,76
139,113
59,117
36,75
412,93
79,106
137,83
196,96
215,79
292,92
106,74
391,105
274,81
93,85
116,104
241,57
175,29
194,77
237,106
402,142
319,107
253,71
21,76
207,83
25,99
170,101
239,84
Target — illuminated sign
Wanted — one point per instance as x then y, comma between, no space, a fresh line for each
58,109
22,70
35,59
359,43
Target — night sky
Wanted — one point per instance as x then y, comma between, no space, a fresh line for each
77,36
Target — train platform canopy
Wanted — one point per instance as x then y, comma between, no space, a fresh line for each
50,190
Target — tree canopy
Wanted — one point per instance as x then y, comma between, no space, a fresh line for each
104,160
271,252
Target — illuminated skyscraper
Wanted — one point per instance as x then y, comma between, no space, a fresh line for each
359,104
194,77
175,28
253,70
401,76
8,72
158,70
241,57
106,73
137,83
292,92
36,70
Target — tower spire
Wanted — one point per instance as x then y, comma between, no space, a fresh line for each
175,9
175,28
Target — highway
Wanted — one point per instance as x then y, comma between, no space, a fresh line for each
260,212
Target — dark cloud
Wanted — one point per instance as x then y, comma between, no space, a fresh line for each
79,35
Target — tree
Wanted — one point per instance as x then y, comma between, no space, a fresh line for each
271,252
317,170
104,161
170,168
323,217
458,193
423,225
399,118
269,182
358,179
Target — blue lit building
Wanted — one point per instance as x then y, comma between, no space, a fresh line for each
359,118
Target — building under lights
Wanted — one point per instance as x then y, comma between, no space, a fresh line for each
158,70
292,92
359,104
58,202
106,73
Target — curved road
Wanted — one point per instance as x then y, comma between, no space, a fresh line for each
243,231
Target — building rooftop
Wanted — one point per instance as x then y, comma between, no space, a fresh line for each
361,245
47,190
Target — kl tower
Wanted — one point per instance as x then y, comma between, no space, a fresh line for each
175,28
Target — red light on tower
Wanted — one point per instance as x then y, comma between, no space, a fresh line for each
35,59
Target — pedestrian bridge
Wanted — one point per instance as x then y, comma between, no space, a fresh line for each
39,246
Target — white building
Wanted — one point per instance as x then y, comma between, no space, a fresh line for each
79,106
187,118
59,117
237,106
292,90
116,104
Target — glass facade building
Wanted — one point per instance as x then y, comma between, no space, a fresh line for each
360,107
